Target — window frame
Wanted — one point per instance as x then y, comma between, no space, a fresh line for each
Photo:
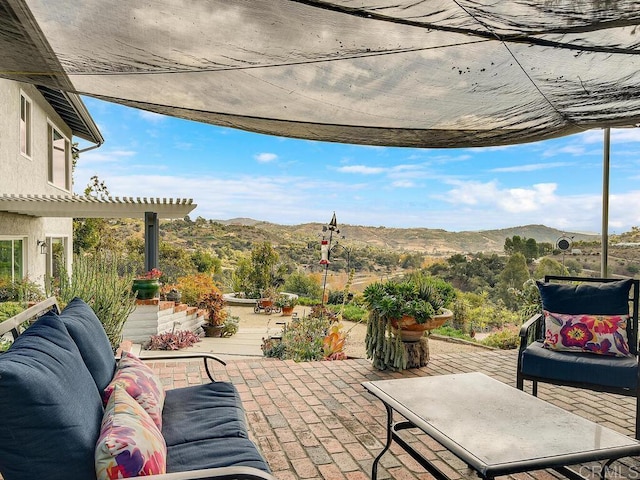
13,239
25,139
51,128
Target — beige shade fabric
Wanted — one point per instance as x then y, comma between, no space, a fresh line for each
437,73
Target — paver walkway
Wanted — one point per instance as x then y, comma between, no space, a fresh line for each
315,421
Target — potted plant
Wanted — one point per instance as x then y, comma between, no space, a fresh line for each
401,311
213,303
286,301
147,286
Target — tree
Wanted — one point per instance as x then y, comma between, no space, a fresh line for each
205,262
304,285
175,261
515,272
549,266
513,245
513,276
260,272
526,246
530,249
264,259
544,248
92,234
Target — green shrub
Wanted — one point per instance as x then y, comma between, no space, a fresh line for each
505,339
194,287
304,285
230,326
336,297
11,309
447,331
5,343
308,302
303,339
8,310
20,291
351,312
95,279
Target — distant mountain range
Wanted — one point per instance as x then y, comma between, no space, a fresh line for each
425,240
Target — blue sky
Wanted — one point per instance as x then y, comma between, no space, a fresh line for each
231,173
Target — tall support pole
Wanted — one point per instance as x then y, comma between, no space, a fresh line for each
151,241
604,254
326,247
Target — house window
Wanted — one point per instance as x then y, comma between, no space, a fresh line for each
12,259
25,126
56,260
59,173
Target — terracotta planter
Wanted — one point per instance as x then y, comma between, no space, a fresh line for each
411,331
146,289
287,311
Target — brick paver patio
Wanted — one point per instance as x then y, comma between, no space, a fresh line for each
315,421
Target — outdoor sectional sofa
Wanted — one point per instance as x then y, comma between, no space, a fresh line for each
52,386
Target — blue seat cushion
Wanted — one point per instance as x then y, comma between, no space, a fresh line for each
204,427
88,333
616,372
201,412
610,298
51,408
214,452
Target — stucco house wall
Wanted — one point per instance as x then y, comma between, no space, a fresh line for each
20,174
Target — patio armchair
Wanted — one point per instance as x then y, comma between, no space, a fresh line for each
585,337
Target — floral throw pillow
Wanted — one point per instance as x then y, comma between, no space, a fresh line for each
130,444
599,334
141,383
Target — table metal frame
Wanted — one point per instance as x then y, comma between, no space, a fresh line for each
486,471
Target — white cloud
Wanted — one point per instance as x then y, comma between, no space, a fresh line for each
512,200
531,167
362,169
96,157
151,116
403,184
266,157
618,135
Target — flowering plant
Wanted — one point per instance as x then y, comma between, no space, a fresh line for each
152,274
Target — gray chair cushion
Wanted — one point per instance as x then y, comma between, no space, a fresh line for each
610,298
92,341
617,372
51,408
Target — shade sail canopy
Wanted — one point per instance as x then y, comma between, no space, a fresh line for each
440,73
90,207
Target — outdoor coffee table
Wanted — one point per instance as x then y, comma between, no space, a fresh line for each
494,428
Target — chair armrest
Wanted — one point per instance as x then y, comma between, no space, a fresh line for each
149,356
221,473
529,330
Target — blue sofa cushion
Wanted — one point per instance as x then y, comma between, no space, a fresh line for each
51,408
618,372
92,341
216,407
204,427
214,452
610,298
